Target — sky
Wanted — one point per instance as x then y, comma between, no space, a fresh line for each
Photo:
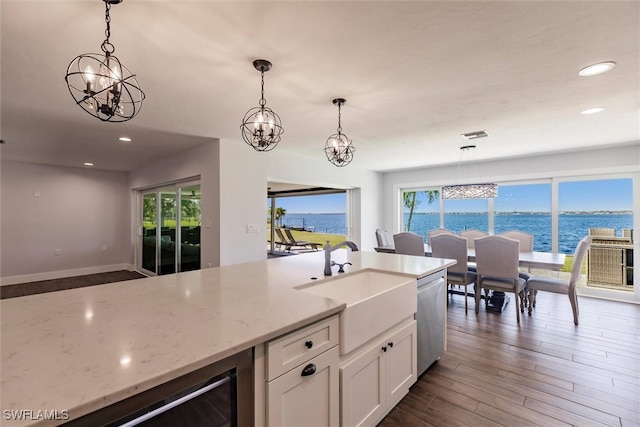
324,203
610,194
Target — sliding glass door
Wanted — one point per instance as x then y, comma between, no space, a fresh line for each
170,240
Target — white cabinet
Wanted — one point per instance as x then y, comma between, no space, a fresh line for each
375,379
307,395
302,377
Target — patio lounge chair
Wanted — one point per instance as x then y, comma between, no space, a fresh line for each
290,241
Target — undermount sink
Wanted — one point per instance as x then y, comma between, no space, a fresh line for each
375,302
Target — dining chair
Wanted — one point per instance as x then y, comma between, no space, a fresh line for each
436,232
408,243
471,235
526,245
453,247
497,269
561,286
382,236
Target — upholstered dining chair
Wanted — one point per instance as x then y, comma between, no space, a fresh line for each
453,247
561,286
471,235
436,232
497,269
407,243
526,245
382,236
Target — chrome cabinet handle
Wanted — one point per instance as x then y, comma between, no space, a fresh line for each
310,369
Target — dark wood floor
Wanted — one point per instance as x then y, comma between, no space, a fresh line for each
31,288
546,372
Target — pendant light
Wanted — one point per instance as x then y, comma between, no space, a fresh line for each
261,126
339,148
101,85
469,191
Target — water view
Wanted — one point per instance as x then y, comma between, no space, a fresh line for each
572,226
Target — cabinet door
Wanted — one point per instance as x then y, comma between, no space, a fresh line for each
362,382
401,365
296,399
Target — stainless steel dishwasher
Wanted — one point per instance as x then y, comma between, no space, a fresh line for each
430,319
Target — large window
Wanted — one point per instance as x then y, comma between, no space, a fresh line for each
582,204
525,207
469,214
421,210
603,203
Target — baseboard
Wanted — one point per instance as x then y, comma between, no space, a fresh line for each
13,280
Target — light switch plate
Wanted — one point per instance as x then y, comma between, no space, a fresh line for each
253,228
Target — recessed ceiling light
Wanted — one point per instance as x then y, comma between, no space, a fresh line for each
593,110
595,69
125,139
88,164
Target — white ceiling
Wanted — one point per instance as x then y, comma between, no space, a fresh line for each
415,75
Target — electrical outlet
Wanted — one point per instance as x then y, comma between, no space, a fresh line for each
253,228
57,252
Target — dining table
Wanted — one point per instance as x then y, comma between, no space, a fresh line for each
528,259
533,259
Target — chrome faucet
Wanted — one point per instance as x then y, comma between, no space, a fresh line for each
327,255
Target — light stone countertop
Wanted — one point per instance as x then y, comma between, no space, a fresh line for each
82,349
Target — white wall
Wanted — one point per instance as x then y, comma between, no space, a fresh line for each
76,210
203,162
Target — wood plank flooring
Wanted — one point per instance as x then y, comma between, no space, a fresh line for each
545,372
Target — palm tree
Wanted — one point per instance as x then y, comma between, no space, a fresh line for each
280,212
410,201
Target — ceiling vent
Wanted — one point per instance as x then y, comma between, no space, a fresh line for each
475,135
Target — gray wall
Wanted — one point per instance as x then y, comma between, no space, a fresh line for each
82,212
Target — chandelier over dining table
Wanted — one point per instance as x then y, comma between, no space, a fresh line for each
469,191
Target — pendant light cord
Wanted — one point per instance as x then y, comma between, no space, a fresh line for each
106,46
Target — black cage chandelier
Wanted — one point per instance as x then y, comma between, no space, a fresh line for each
101,85
339,148
261,126
470,191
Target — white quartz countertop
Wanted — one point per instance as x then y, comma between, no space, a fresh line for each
82,349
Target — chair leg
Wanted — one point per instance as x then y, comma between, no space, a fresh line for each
465,300
532,299
477,297
517,311
573,299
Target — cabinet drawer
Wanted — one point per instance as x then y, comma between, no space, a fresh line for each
295,348
306,399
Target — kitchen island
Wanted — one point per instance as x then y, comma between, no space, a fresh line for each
80,350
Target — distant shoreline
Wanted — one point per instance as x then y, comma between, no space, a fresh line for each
531,213
484,213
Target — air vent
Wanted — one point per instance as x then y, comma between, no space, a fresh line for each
475,135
